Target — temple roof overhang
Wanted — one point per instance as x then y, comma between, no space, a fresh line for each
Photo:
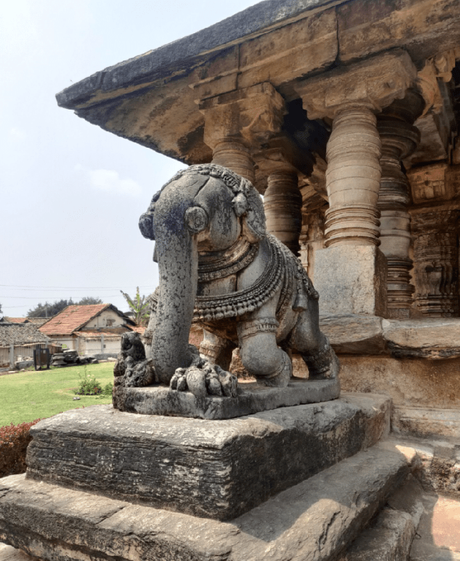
159,99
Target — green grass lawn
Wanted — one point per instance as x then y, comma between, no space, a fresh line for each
31,395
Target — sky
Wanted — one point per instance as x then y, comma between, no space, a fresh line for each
71,193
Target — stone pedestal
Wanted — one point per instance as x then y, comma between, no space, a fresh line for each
351,280
252,398
209,469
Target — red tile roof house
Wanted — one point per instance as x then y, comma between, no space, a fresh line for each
90,330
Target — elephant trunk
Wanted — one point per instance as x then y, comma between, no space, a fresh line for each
177,255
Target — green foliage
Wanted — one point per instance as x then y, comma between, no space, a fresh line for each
88,384
107,389
14,440
139,305
47,310
89,301
25,396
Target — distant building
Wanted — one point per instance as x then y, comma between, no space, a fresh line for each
19,339
93,329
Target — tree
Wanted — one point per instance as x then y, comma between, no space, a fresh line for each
89,301
140,306
48,310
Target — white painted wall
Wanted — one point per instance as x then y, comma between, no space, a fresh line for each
108,318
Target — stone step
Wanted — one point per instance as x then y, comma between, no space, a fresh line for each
216,469
416,525
439,470
390,535
312,521
426,422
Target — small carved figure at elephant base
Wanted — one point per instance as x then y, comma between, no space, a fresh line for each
219,268
132,368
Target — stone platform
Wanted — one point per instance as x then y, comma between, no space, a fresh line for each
313,520
216,469
252,398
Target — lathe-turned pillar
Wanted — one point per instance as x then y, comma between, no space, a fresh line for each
233,153
353,178
351,272
399,139
283,207
279,161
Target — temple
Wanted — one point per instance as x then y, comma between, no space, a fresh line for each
344,115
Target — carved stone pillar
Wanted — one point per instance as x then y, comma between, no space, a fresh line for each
232,153
283,203
353,178
436,261
237,122
314,206
351,272
399,140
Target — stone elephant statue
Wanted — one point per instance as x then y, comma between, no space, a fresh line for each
218,267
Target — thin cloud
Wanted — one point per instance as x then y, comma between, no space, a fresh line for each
110,181
18,133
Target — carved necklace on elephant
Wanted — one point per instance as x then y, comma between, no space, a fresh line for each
211,308
221,264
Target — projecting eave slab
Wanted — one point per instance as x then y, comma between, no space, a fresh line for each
154,99
180,55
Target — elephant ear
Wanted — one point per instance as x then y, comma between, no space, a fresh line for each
146,224
254,220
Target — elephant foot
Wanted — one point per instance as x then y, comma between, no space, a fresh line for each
204,381
324,365
281,378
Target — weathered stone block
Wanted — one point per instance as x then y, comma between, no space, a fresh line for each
297,49
424,27
217,469
431,338
417,383
354,334
351,279
315,519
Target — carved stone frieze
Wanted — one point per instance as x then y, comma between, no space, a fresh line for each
436,261
428,183
436,68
